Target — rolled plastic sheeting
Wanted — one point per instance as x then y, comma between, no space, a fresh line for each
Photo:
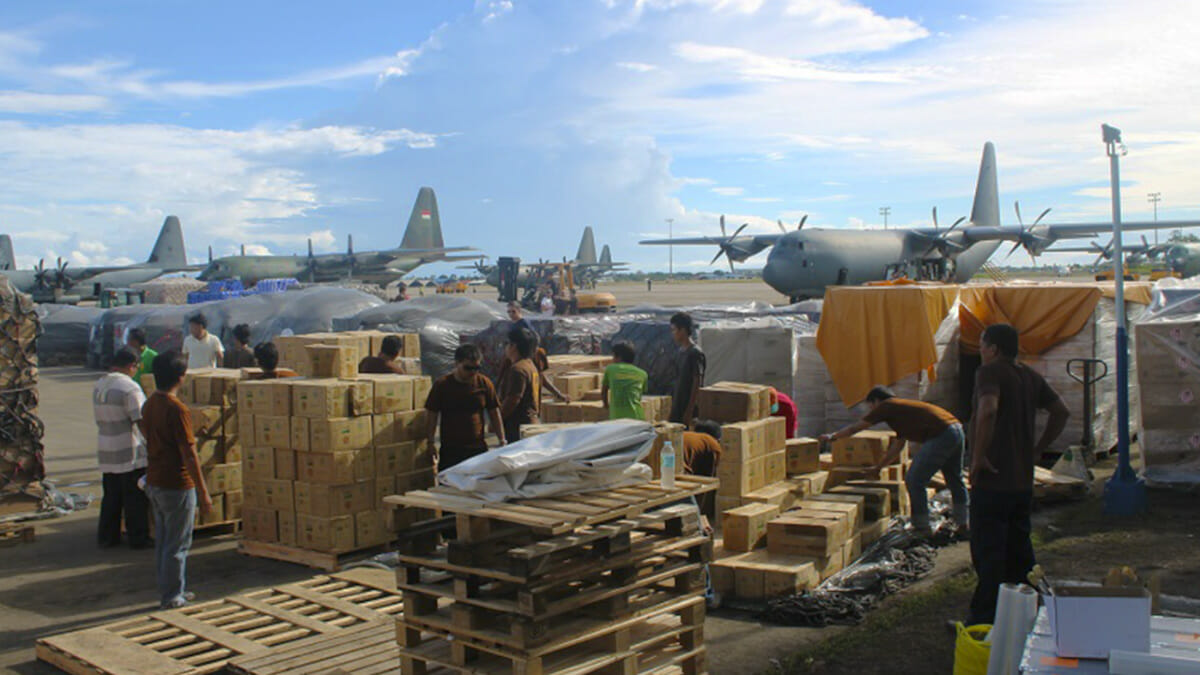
1016,611
563,461
1140,663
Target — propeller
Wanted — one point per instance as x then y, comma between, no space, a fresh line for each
799,225
1103,252
1028,239
39,274
60,275
941,242
725,246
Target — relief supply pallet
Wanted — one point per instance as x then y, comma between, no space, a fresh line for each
203,637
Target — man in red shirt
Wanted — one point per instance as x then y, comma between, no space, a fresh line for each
783,406
174,483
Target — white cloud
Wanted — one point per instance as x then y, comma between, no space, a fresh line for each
763,200
493,9
28,102
729,191
636,66
757,67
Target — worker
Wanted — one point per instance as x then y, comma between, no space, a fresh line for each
117,406
520,387
202,348
701,455
383,363
941,437
1003,453
267,356
517,316
240,356
136,340
401,292
622,386
174,483
459,402
783,406
690,364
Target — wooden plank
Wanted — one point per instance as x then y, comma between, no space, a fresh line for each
331,602
104,653
207,632
353,651
285,615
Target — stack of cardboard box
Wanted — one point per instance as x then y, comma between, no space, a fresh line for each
325,453
211,397
339,353
576,363
728,402
753,457
656,409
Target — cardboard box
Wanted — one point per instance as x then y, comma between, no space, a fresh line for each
384,486
369,529
810,483
803,455
272,431
656,408
327,501
210,451
287,527
332,360
345,433
362,402
414,480
421,387
333,535
897,490
215,515
233,448
405,457
783,495
269,494
726,503
234,501
383,429
742,441
820,533
285,464
728,402
575,384
775,434
258,463
762,575
411,425
844,474
739,478
320,398
775,467
872,532
213,386
817,503
390,393
259,524
211,421
866,448
745,528
335,468
255,398
219,478
877,502
1088,622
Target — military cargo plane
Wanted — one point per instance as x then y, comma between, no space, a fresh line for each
586,268
422,244
87,283
802,262
1182,258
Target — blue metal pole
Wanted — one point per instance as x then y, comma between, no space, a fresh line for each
1125,492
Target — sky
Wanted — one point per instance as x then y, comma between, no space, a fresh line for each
266,125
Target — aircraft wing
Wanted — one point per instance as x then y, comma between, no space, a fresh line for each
1064,230
737,248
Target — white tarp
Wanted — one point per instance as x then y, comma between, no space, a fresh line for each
563,461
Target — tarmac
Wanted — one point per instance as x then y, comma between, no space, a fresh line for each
63,582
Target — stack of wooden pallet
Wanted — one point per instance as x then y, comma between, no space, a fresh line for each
605,581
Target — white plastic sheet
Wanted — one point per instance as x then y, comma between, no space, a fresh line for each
563,461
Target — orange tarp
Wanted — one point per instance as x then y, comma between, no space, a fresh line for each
877,335
1044,314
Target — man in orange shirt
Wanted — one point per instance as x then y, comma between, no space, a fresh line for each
701,454
174,483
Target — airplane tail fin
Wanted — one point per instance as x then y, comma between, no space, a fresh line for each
168,250
605,256
7,259
424,229
587,247
985,210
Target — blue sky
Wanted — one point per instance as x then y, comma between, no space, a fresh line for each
266,124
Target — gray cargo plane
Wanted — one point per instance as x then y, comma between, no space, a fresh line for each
1182,258
802,262
88,282
422,244
586,268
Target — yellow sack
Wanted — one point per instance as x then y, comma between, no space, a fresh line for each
971,649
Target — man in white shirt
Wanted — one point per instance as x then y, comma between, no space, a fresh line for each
203,349
117,405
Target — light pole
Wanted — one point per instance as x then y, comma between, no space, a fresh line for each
1125,492
1154,198
670,248
884,211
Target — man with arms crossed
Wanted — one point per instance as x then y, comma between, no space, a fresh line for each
117,406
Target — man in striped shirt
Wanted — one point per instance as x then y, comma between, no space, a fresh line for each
117,405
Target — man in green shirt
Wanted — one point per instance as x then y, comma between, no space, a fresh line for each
623,384
136,340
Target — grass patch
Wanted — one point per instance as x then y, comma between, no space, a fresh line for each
885,629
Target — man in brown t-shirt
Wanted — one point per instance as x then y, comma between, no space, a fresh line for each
1008,395
174,483
520,387
460,401
385,362
940,436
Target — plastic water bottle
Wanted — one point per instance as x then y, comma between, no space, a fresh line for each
666,465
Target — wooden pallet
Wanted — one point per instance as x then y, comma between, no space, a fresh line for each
369,649
17,533
223,527
668,638
562,514
202,638
1050,486
329,562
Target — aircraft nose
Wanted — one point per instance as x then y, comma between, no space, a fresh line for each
773,273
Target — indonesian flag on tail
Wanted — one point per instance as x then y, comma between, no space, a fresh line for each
425,214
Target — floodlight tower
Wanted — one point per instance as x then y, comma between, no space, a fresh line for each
1125,492
884,211
1154,198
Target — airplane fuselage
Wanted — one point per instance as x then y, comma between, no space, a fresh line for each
801,264
370,266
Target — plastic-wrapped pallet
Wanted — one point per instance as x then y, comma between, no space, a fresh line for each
1168,376
172,291
809,378
759,351
20,429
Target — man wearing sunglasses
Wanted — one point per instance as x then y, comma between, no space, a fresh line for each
459,401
